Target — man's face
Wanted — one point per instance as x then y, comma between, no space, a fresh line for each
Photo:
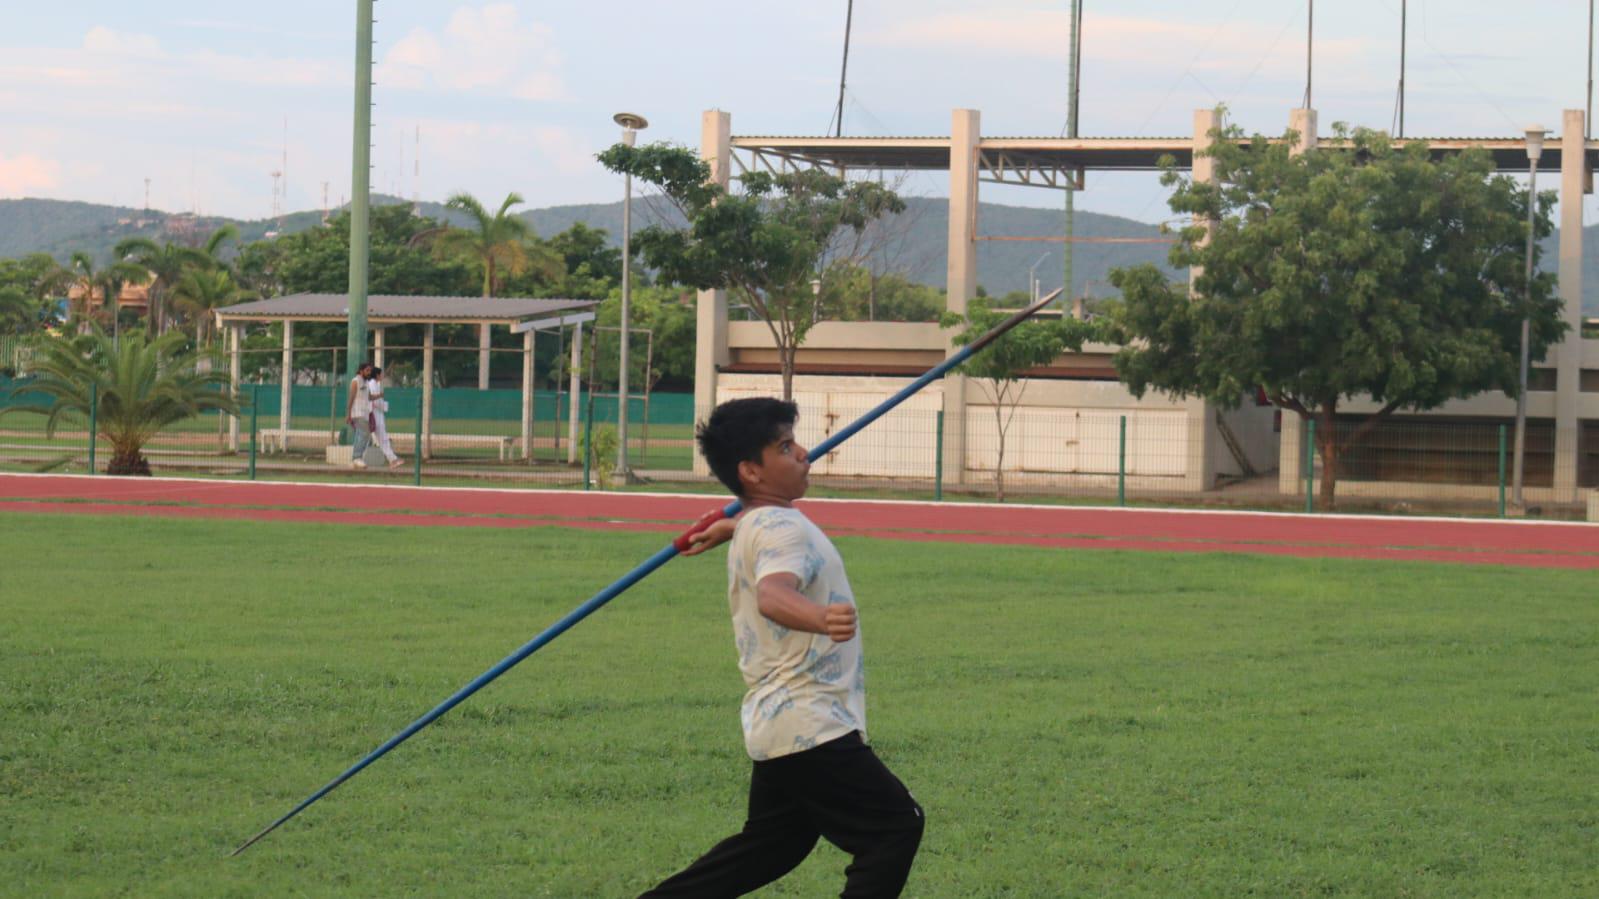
785,467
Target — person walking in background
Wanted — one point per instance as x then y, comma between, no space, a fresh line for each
380,408
358,414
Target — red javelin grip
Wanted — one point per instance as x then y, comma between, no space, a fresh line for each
682,544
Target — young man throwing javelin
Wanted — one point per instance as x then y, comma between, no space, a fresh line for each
799,649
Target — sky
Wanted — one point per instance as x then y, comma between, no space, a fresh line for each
203,98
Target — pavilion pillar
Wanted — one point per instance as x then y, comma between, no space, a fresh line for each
1293,433
483,356
1568,355
527,395
286,387
426,449
378,342
965,132
235,332
710,332
575,394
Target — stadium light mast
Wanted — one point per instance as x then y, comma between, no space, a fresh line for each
360,189
1074,70
1535,135
631,124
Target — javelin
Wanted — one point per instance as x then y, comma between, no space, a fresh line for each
678,545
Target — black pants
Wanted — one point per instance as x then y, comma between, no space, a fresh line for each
838,790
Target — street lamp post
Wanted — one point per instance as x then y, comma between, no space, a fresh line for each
631,125
1032,277
1535,135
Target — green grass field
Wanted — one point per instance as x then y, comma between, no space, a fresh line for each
1075,723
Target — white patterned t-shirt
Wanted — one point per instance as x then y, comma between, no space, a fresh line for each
804,689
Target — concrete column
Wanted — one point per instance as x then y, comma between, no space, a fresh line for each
1291,454
1291,447
710,333
1200,466
527,395
1204,168
426,449
575,396
483,356
233,334
286,388
1304,122
378,342
1568,355
961,276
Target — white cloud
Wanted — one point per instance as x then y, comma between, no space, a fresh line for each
486,49
23,174
102,40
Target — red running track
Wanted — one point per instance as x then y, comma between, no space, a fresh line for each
1535,544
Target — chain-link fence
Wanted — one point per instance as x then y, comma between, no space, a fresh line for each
1148,455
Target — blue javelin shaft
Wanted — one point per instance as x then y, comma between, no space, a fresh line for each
649,565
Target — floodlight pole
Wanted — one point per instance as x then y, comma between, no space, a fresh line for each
631,126
360,188
1535,135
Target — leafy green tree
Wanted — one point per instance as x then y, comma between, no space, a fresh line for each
1001,368
317,260
589,259
19,313
1361,270
856,293
140,386
41,280
765,244
668,313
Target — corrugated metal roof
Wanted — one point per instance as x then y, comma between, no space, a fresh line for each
507,310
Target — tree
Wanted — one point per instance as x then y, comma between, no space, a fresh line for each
39,279
88,278
1357,270
766,244
499,245
202,291
166,262
19,313
1000,369
140,385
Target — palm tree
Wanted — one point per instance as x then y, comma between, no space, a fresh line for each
166,263
18,311
499,244
140,385
199,292
109,280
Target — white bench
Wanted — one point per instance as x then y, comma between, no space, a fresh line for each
406,443
272,439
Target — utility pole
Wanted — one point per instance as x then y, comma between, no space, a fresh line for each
1074,65
361,188
1310,41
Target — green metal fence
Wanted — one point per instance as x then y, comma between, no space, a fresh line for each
1139,456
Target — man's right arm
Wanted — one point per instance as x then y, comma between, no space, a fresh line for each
778,598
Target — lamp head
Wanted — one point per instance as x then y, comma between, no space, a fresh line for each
630,121
1535,135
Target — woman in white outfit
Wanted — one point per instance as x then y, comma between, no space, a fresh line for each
380,408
